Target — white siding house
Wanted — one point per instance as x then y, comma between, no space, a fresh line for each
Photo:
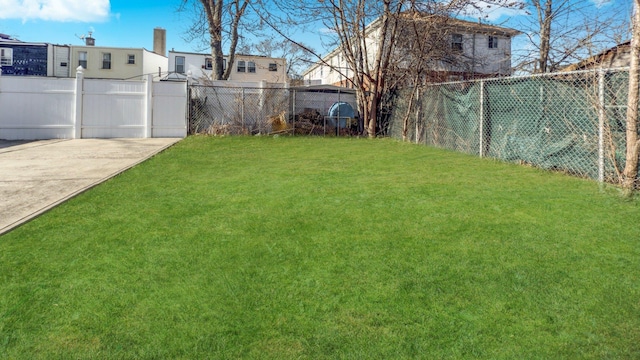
246,68
482,50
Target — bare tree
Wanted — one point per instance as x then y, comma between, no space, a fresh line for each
297,56
564,31
630,173
220,20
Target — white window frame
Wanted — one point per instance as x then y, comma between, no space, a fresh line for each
106,61
131,59
180,64
208,64
242,67
6,57
493,42
251,67
83,59
273,67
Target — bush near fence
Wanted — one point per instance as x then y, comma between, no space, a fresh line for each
572,122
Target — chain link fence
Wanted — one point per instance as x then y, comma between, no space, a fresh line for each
572,122
237,110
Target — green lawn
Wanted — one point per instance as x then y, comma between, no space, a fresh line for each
312,248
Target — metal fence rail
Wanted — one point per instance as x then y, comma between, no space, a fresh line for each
572,122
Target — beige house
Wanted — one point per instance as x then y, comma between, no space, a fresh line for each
116,63
615,57
120,63
246,68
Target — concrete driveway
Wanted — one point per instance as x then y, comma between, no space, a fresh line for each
38,175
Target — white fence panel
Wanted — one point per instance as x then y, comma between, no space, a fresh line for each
169,109
36,108
113,109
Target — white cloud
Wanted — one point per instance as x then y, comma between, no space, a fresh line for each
55,10
601,3
491,12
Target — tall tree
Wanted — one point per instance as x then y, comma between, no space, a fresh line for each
220,20
564,31
630,173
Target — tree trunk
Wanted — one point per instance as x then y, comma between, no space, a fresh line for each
630,173
213,8
545,17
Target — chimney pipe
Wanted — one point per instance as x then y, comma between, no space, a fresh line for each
89,41
160,41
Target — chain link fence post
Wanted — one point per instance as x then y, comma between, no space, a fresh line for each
601,120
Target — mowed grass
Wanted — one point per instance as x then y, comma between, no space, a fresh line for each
313,248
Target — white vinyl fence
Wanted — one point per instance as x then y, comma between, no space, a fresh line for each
59,108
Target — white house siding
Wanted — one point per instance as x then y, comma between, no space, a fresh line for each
494,61
155,64
61,61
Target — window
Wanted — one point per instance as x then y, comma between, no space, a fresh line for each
131,59
456,42
82,59
208,63
180,64
106,60
6,57
241,66
493,42
273,67
251,67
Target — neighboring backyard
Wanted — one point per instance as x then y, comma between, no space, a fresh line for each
283,248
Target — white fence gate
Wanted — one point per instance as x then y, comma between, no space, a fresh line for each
60,108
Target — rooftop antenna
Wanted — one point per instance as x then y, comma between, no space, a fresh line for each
87,39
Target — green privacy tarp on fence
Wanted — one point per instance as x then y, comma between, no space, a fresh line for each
572,122
540,121
455,117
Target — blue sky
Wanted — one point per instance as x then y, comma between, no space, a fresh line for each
118,23
130,23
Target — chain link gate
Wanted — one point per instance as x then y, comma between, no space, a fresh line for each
572,122
236,110
215,110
